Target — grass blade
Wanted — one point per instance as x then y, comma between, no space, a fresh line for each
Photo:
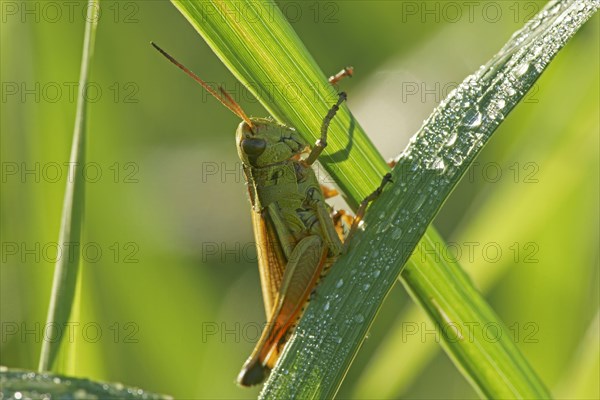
480,345
23,384
66,269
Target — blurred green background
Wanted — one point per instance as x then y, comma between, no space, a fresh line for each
170,297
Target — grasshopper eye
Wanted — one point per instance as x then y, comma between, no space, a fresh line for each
253,147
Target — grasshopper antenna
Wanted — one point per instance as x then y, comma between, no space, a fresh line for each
223,97
234,106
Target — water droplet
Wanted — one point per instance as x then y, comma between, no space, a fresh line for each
366,286
472,118
554,9
376,273
451,139
358,318
438,164
521,70
397,233
326,306
419,202
339,283
457,159
534,23
382,227
18,395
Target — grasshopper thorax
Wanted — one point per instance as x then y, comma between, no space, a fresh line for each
267,142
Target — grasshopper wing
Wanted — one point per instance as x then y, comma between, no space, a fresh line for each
301,274
271,260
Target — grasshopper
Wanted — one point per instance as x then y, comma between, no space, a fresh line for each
297,236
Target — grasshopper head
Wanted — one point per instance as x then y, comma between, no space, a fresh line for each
266,142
